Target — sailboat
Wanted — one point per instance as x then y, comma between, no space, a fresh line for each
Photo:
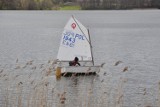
75,42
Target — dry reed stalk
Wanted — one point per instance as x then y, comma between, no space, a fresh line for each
42,93
125,69
34,67
54,62
14,102
117,63
102,65
4,75
38,96
107,94
43,70
29,76
17,60
159,94
34,99
62,98
20,95
48,72
119,99
84,99
28,102
49,61
30,62
6,98
52,96
18,67
89,96
41,66
80,99
16,76
43,101
6,79
1,71
32,81
31,98
24,66
101,101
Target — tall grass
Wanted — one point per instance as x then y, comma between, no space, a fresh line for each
159,94
35,85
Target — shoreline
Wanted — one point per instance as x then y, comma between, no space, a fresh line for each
80,9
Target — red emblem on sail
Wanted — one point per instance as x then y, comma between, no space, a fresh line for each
73,25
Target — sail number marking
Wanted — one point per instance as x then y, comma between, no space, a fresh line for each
69,38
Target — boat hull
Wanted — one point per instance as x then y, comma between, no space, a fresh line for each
79,70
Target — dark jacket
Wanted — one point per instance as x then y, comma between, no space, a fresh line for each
74,63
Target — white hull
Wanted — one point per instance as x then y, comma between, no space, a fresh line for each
80,69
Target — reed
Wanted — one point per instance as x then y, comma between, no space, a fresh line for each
6,101
159,94
48,72
119,102
19,89
24,88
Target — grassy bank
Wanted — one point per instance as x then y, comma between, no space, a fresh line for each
70,8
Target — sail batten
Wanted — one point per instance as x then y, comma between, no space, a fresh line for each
75,42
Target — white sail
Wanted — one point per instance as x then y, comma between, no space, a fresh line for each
74,42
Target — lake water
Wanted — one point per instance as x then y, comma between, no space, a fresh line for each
130,36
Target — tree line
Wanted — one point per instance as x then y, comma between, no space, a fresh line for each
28,4
85,4
119,4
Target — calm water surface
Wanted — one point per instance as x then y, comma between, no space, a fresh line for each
130,36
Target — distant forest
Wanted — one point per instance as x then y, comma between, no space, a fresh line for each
84,4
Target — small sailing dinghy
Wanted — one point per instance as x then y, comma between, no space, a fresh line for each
75,42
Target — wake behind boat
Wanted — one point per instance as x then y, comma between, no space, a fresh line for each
75,42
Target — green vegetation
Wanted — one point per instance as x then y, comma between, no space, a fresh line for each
76,4
38,5
26,4
70,8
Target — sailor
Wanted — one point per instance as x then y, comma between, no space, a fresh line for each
74,62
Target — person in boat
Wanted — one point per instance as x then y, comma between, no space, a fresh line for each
74,62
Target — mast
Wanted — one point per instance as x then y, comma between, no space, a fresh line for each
89,41
91,47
